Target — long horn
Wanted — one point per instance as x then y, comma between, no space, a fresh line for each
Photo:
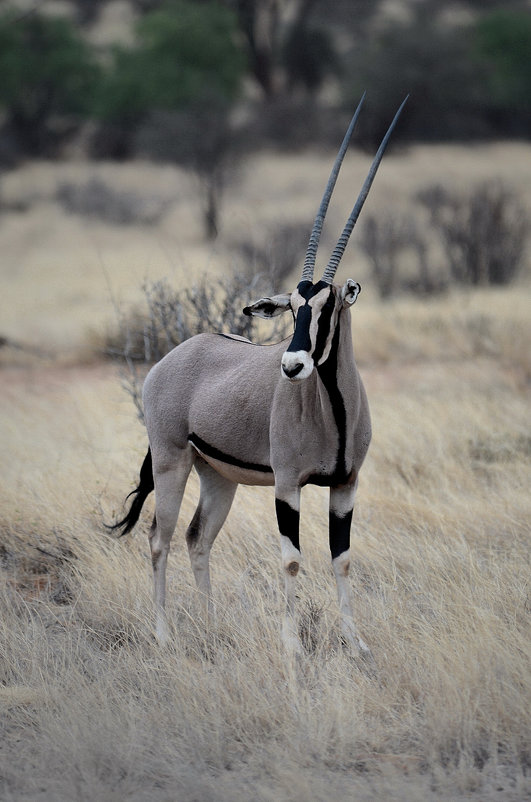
339,250
311,252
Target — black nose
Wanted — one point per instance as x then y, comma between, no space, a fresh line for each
291,372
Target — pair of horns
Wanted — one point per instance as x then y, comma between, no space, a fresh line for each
311,253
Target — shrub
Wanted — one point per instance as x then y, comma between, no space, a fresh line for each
483,236
277,255
97,200
399,255
172,316
484,233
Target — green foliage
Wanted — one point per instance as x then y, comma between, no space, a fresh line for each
503,42
309,55
46,69
182,51
43,62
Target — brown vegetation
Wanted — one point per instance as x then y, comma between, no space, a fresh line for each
91,708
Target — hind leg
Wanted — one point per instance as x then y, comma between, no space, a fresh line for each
170,479
215,500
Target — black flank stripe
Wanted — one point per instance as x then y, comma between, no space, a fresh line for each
215,453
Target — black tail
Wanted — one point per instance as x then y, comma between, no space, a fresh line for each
145,486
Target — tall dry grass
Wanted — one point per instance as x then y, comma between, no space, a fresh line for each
92,708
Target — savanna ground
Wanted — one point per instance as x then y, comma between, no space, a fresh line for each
91,708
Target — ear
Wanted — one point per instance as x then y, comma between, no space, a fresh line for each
349,292
269,307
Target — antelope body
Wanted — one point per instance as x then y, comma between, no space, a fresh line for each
287,415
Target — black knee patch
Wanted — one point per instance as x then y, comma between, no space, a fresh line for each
288,521
339,532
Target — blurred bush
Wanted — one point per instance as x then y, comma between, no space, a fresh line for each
171,316
481,234
276,254
393,240
97,200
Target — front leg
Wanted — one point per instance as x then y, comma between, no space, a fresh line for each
340,519
287,505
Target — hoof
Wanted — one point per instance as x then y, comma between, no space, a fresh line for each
353,641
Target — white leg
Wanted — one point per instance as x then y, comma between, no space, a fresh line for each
217,494
169,490
287,508
341,506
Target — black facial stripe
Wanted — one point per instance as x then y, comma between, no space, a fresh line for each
288,521
339,532
301,338
215,453
323,327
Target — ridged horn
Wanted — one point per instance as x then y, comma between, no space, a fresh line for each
313,244
339,250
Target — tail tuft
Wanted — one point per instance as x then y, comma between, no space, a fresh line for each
145,486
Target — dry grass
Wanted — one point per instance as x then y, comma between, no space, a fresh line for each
91,708
86,269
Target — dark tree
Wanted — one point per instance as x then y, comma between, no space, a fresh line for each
170,96
503,45
48,76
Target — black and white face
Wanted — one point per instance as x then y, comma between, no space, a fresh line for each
316,308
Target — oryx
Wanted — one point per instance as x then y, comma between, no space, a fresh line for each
287,415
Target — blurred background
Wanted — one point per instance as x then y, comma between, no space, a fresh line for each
141,139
